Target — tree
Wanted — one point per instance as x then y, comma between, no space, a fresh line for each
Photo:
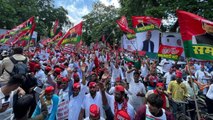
166,8
101,21
14,12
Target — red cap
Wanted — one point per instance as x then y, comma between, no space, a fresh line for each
57,70
76,86
118,79
122,115
129,64
119,88
178,74
160,84
64,79
94,110
59,76
61,59
75,75
49,89
48,68
37,66
92,84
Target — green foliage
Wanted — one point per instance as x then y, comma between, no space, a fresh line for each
14,12
165,8
101,21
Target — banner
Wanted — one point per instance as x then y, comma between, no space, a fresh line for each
197,35
73,35
170,52
144,20
12,36
63,110
172,39
54,28
147,41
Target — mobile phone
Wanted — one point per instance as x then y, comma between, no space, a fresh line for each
38,90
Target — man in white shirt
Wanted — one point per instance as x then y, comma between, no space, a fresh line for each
166,65
168,76
202,76
138,91
144,69
188,83
76,100
118,102
116,72
93,97
129,72
40,75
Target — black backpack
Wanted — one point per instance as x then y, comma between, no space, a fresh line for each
20,66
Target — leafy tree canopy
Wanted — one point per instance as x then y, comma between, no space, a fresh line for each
14,12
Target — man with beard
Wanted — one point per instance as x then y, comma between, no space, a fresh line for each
153,110
138,91
76,99
118,102
93,97
160,91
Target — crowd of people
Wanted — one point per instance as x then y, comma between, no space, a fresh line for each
48,83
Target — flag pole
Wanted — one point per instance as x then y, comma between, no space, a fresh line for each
194,96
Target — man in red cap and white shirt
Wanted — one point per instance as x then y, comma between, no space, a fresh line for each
76,99
118,101
40,75
94,113
93,97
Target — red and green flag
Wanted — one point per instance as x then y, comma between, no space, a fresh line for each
123,25
170,52
54,28
25,35
73,35
146,23
197,35
56,38
13,35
